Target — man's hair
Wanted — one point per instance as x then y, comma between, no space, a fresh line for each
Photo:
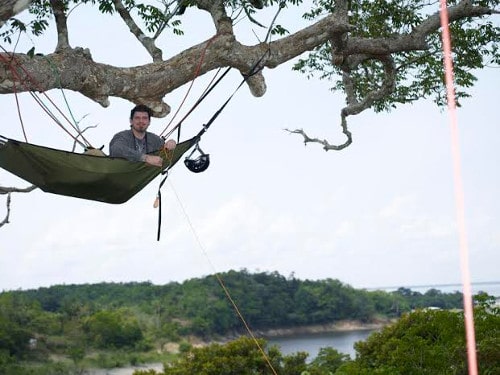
141,108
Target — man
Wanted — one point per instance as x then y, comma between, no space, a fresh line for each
136,143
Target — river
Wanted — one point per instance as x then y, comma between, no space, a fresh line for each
312,343
125,370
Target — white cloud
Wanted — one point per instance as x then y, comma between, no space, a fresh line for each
399,207
345,229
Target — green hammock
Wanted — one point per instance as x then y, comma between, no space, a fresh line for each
97,178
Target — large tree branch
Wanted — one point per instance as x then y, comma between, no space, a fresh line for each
149,83
416,40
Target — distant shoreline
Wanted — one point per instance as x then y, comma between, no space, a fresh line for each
340,326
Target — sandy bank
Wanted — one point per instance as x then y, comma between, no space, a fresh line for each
340,326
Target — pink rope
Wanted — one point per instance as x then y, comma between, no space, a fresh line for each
459,194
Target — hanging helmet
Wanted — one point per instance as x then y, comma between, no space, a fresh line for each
198,164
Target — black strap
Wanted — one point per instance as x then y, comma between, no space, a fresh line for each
158,197
255,69
197,103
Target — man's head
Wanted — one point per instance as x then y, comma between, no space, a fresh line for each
141,108
140,117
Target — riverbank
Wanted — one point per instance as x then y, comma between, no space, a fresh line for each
340,326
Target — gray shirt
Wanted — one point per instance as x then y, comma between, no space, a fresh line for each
125,145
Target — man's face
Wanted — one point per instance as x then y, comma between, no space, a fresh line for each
140,121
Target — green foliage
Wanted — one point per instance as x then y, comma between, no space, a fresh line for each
419,73
41,10
15,314
185,347
241,356
14,339
487,333
410,300
428,342
76,353
327,361
245,356
112,329
154,16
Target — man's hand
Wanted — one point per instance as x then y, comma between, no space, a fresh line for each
170,144
153,160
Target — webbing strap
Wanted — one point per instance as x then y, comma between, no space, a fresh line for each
197,103
158,199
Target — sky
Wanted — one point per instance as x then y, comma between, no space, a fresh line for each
380,213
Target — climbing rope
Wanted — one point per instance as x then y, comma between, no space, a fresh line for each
459,194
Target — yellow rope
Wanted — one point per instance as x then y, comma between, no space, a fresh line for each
221,283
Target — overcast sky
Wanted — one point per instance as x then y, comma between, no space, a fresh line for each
379,213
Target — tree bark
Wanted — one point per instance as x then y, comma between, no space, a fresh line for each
9,8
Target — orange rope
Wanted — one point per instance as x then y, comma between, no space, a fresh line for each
224,288
247,327
459,195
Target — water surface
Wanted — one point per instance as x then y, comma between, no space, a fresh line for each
312,343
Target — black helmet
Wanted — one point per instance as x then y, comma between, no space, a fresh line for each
199,164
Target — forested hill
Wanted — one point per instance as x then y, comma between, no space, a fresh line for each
199,306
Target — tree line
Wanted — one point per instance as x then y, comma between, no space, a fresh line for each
72,319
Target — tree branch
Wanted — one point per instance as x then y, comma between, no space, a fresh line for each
61,24
6,220
9,191
459,11
147,42
9,8
222,22
354,106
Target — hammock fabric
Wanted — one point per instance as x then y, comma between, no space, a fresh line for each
97,178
